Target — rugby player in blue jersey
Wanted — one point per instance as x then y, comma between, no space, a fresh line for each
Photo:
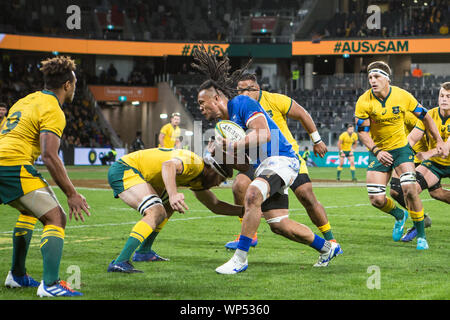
276,163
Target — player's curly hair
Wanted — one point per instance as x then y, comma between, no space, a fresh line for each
217,72
57,71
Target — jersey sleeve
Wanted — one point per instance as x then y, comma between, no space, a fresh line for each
362,109
412,102
420,125
355,137
249,110
52,119
341,137
164,130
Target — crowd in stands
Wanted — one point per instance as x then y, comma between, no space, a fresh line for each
211,20
419,19
139,76
82,124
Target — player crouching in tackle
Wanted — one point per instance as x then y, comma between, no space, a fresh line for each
147,181
380,113
275,172
34,127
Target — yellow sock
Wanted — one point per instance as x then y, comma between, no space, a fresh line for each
26,222
53,231
416,216
141,231
161,225
324,228
389,206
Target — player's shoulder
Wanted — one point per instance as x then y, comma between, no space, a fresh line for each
401,92
243,102
434,113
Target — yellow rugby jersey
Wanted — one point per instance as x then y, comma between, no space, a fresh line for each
347,140
410,122
443,125
2,122
149,163
277,107
387,116
171,135
19,137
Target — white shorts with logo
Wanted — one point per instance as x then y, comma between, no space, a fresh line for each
285,167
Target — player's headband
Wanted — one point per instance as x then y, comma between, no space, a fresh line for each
381,72
209,160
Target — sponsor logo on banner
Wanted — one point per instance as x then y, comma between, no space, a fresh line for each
332,160
92,156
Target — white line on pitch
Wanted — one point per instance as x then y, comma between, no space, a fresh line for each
208,217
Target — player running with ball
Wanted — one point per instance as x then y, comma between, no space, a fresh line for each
275,171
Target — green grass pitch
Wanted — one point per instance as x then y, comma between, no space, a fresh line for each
372,267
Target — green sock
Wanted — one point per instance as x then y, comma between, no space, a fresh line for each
128,249
420,227
52,242
339,173
22,234
397,213
326,231
328,235
392,209
146,246
353,174
139,233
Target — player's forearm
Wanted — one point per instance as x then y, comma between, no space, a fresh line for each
58,173
366,140
227,209
431,127
254,138
169,173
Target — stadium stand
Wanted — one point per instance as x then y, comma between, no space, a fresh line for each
83,128
421,19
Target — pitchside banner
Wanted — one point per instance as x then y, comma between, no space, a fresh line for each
91,156
363,46
331,159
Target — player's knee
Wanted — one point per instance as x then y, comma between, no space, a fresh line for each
239,188
377,202
55,216
409,191
279,225
253,197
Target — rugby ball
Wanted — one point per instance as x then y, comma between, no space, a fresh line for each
229,130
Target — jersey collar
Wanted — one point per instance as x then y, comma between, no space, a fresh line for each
260,96
383,102
45,91
444,120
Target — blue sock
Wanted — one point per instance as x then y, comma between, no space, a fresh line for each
318,243
244,243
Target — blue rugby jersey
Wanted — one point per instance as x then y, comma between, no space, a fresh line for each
242,109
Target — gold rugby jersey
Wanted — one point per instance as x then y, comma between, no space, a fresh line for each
171,134
387,117
19,136
149,163
347,140
443,125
